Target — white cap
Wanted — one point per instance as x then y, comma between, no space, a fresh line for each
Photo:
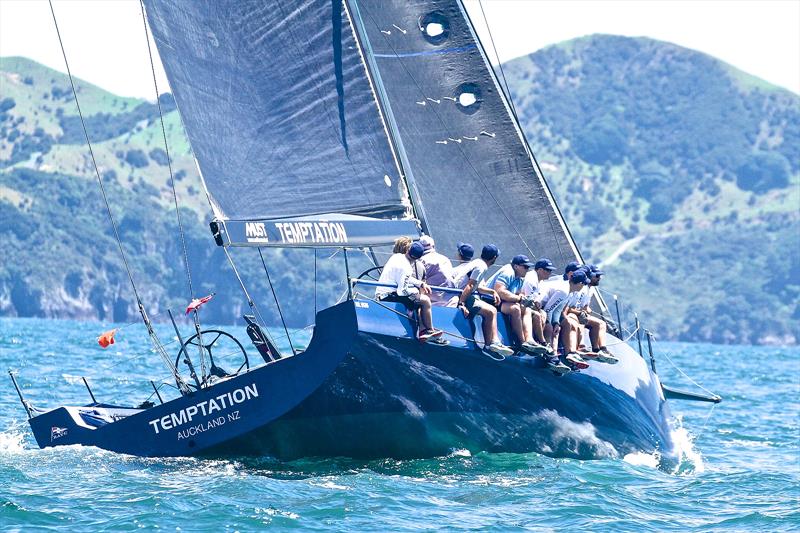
427,242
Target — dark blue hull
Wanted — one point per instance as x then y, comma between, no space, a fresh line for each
366,388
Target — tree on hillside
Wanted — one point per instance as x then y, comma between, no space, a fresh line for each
763,171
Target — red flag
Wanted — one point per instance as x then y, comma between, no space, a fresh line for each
197,302
106,339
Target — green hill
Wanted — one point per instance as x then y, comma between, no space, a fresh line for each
688,163
693,163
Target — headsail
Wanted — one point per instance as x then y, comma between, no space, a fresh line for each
462,150
278,108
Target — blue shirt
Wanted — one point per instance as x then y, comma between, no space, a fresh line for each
507,277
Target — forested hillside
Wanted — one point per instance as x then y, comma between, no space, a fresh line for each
690,163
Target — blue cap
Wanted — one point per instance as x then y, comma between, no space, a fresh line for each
465,250
544,263
571,267
489,252
522,260
579,276
416,250
594,270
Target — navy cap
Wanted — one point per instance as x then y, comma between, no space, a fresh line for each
416,250
579,277
489,252
571,267
522,260
595,271
544,263
465,250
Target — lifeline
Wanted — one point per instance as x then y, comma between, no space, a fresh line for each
206,407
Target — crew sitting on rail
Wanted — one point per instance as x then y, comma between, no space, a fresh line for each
531,289
553,294
401,245
471,283
571,328
507,282
465,251
438,270
596,326
410,291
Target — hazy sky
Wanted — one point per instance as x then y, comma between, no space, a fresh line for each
105,40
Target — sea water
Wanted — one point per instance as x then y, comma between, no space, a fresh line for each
740,466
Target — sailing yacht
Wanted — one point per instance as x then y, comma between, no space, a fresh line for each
346,124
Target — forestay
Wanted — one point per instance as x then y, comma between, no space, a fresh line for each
462,151
278,108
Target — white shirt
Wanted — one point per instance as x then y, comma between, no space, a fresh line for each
585,298
475,269
531,286
398,272
553,292
574,298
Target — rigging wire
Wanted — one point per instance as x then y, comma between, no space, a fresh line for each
250,301
519,124
315,283
277,303
169,158
195,312
151,332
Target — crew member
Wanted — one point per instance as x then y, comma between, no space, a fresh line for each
507,282
412,292
595,325
438,270
531,289
471,305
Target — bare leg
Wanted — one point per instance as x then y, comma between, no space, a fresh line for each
566,335
597,332
515,316
537,319
569,334
425,312
489,324
555,331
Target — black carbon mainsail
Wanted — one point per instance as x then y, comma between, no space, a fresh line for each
462,149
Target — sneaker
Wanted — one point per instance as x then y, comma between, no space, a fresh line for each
439,341
555,364
588,355
500,349
533,348
428,334
574,359
604,356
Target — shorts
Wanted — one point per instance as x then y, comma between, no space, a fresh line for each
474,305
410,302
